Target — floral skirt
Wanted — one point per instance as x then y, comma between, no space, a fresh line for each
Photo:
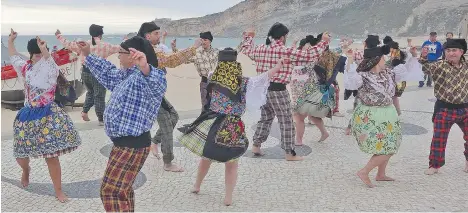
317,100
400,88
219,138
376,129
44,132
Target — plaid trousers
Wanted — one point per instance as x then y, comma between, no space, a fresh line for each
95,96
167,121
124,163
278,104
443,121
337,98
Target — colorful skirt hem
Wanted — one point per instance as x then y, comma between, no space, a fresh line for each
44,132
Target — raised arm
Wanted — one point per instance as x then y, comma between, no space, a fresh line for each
105,72
11,43
71,45
247,46
428,67
303,57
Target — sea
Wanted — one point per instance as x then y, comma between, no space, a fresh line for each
182,42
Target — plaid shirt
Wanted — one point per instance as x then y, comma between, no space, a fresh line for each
135,98
101,49
175,59
450,82
266,56
205,61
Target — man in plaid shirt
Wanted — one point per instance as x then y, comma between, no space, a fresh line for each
167,115
278,99
137,91
96,94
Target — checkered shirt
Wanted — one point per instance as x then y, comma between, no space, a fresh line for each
135,98
266,57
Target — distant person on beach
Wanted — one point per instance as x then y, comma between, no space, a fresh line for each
41,128
96,94
137,91
435,49
167,115
448,35
278,102
451,90
229,96
313,94
205,61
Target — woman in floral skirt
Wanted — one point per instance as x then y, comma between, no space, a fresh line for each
375,123
41,128
218,134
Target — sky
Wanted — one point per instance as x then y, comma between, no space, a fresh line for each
28,17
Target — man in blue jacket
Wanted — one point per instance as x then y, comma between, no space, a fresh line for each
435,52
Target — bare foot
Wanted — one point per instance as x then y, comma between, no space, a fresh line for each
290,157
384,178
431,171
61,197
324,137
84,116
365,178
195,190
227,200
25,177
256,151
466,167
348,131
299,143
173,168
155,150
338,114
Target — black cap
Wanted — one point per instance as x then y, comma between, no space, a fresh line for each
147,27
372,41
141,45
228,54
376,51
206,35
456,43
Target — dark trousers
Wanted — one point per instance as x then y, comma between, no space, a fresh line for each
95,96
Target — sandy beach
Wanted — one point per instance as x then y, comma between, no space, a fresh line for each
183,88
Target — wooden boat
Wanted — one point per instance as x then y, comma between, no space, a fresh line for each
12,86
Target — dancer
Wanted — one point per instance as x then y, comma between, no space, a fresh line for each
375,123
218,134
137,91
96,93
167,115
41,128
205,60
451,92
312,91
278,100
435,52
396,58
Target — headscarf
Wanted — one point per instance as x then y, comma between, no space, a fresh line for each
276,31
206,35
328,66
227,77
144,46
95,31
147,27
33,48
372,57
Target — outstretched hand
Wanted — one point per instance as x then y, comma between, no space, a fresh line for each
57,32
139,59
85,48
413,51
326,36
43,47
13,35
